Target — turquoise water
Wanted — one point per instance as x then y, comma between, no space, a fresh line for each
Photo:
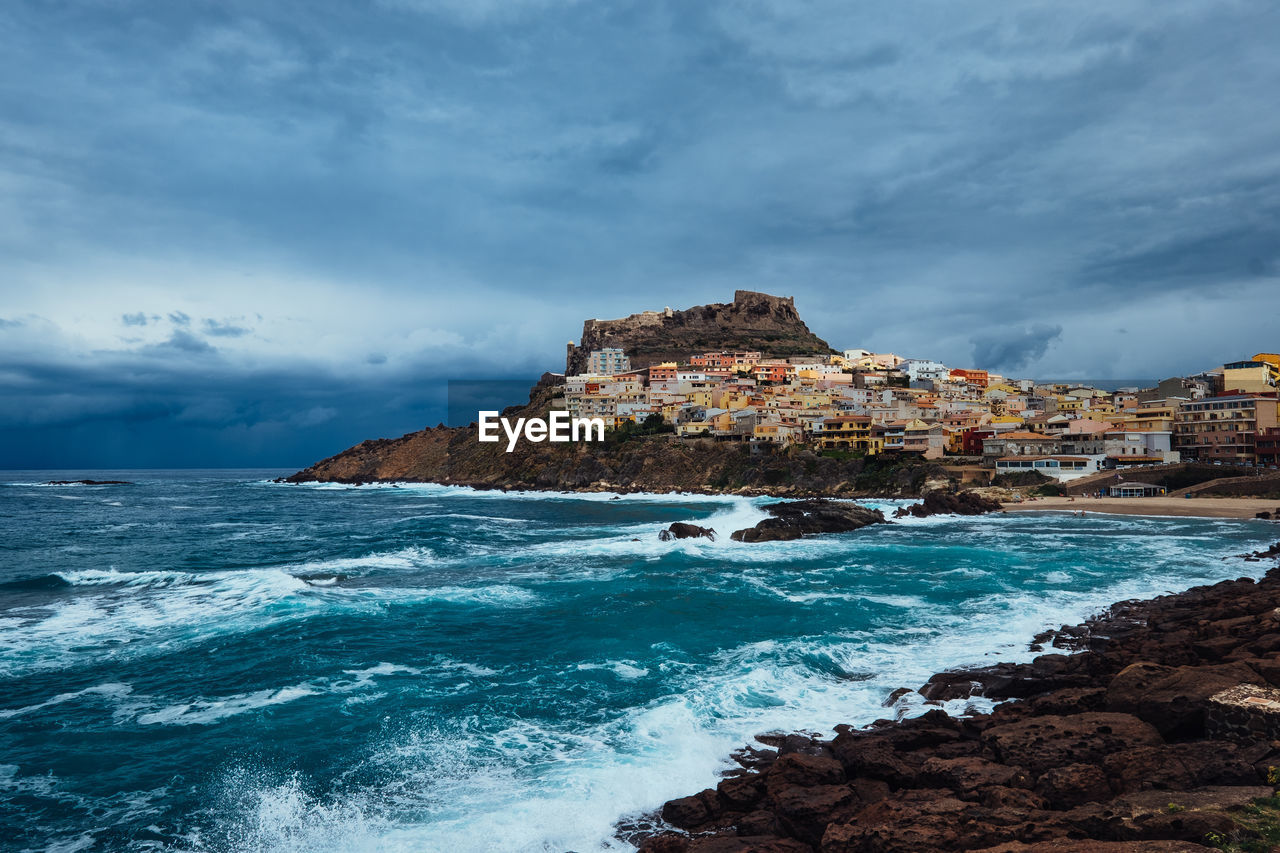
213,662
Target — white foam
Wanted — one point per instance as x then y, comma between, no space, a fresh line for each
203,712
109,690
151,613
625,669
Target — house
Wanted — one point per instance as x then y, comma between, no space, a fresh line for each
924,370
1061,468
1267,446
1018,443
1258,375
846,432
608,360
770,371
1224,429
971,377
929,440
1139,447
1134,490
667,371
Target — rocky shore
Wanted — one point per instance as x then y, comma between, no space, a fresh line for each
1153,727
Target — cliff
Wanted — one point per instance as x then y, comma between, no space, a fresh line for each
753,321
623,463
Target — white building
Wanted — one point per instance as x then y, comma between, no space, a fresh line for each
608,360
1060,468
922,369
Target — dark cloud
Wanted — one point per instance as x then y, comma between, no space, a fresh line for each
125,412
186,342
1013,349
10,324
224,329
979,168
137,319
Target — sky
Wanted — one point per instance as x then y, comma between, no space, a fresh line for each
255,233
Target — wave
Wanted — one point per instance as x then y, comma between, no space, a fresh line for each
150,612
111,690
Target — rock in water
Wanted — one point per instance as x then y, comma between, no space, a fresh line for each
794,519
942,503
685,530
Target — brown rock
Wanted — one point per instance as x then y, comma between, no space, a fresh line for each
741,793
906,822
799,769
1072,845
793,519
805,812
1042,743
1179,766
970,773
694,811
749,844
1011,799
1148,814
759,822
1073,785
685,530
1174,699
666,843
872,758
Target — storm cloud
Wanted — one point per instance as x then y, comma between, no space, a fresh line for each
297,220
1014,349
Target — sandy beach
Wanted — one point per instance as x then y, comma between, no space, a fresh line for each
1204,507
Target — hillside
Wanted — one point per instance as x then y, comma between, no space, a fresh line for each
629,462
624,462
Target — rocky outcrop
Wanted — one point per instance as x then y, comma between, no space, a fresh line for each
752,321
1111,749
946,503
685,530
655,463
631,462
794,519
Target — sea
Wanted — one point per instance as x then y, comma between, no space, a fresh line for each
212,661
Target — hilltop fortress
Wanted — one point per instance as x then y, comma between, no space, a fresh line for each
753,321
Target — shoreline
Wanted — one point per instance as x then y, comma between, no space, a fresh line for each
1238,508
1196,507
1154,726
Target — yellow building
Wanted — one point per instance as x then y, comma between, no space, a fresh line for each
1069,404
1149,419
693,428
848,432
1259,376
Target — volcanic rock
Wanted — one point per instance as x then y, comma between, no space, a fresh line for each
794,519
944,503
685,530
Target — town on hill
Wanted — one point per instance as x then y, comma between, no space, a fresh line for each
862,403
743,397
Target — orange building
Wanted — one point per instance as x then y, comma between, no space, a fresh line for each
665,372
770,372
973,377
